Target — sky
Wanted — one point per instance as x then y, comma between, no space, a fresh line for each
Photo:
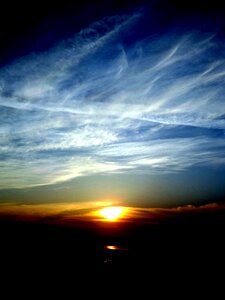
120,101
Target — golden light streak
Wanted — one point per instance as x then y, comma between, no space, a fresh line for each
113,247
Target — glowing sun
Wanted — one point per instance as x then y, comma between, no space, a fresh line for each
111,213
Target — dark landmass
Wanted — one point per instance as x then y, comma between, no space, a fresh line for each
185,252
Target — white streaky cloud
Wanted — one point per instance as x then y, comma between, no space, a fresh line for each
55,170
150,161
95,105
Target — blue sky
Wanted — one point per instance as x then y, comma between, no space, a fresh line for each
129,101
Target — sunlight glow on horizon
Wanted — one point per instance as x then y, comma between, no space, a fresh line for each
112,213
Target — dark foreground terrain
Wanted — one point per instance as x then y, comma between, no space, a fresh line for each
186,252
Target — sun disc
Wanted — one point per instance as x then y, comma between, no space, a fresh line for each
111,213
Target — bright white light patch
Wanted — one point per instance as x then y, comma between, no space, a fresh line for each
111,213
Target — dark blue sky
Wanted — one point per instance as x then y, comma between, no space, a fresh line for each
121,100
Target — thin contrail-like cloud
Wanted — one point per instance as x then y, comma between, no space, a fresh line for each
93,104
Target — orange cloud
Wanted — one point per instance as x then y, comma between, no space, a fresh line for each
69,213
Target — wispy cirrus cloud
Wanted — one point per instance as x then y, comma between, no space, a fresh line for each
95,104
